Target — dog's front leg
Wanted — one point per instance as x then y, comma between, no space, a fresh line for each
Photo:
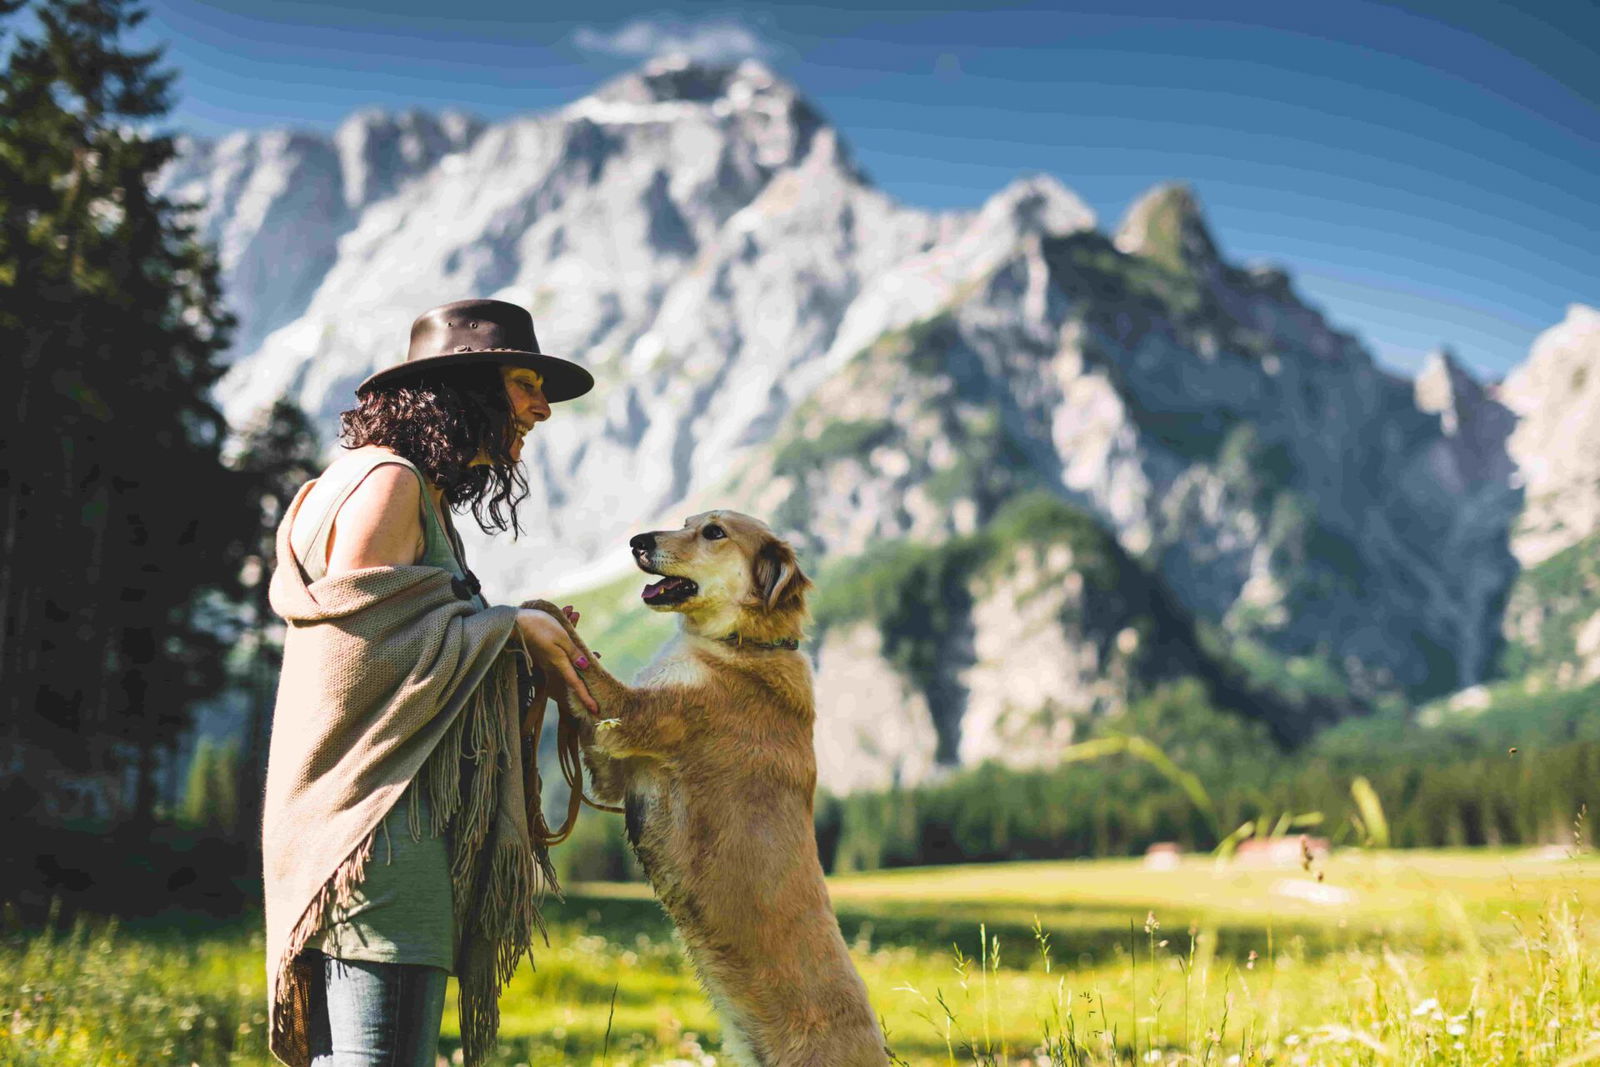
608,780
634,722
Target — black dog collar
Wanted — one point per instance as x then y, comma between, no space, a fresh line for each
790,644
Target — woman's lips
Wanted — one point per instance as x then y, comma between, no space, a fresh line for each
522,430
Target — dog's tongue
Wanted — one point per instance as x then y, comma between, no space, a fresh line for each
655,589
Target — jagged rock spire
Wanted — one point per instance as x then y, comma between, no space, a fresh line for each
1446,388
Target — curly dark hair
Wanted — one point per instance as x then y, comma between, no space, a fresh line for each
440,421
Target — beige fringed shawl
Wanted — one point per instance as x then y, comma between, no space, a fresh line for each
390,682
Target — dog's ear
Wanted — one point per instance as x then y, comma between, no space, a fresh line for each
777,574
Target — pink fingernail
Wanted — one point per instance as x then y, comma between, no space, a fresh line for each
583,661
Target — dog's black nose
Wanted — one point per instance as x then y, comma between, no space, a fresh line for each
644,542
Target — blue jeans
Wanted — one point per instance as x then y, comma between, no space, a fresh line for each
376,1014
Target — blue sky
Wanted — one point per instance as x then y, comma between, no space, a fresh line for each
1427,170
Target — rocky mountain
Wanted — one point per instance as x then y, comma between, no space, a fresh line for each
1556,393
1552,619
889,385
689,233
1285,486
277,203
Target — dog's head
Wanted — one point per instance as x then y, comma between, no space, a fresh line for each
725,573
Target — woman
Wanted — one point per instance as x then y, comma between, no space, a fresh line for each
395,840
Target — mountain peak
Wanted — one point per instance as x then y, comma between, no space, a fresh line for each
747,95
676,79
373,121
1167,225
379,150
1038,203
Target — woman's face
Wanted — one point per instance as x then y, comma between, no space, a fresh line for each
525,393
525,396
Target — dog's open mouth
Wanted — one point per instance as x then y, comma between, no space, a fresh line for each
669,590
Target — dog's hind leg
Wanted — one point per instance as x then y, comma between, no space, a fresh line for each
737,1048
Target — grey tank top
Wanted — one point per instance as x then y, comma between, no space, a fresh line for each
402,910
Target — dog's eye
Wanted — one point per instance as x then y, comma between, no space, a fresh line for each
713,532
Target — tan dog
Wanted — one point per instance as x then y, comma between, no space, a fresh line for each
711,754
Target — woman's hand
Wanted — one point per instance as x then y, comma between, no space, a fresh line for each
573,615
555,650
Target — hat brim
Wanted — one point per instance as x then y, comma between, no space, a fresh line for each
563,379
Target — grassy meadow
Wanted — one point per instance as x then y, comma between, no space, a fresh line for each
1398,957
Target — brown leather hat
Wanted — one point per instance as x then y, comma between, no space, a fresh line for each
483,331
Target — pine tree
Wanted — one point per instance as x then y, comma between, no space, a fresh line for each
211,791
120,525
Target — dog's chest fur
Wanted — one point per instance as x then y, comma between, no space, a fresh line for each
674,665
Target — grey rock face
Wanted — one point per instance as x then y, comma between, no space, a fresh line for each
1556,393
1552,616
1286,487
688,233
275,204
772,333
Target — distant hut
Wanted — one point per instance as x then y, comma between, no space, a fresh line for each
1162,856
1284,851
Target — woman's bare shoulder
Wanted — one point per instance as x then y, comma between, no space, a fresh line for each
379,524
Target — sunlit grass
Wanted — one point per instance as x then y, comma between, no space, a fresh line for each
1391,958
95,993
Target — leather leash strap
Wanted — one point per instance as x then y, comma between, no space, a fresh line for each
569,756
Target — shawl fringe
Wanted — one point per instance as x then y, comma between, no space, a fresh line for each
497,878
